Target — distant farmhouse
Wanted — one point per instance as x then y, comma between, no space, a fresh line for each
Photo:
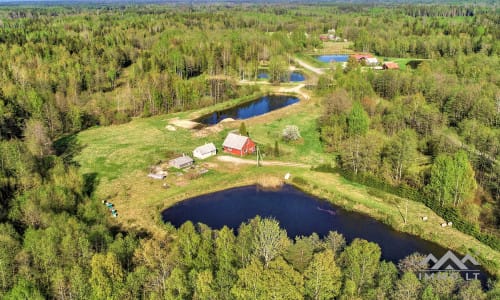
390,65
205,151
368,59
181,162
238,144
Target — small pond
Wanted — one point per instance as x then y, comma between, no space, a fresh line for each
297,77
332,58
262,75
299,214
294,76
249,109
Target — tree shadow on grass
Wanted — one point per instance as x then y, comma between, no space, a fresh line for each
67,148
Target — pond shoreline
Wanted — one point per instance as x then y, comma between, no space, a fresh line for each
342,202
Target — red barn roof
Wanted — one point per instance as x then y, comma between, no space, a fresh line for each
359,57
390,65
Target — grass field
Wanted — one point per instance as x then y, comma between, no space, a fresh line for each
121,156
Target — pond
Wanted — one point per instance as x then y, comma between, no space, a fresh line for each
300,214
294,76
297,77
332,58
249,109
262,75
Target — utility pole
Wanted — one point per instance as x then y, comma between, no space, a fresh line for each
259,157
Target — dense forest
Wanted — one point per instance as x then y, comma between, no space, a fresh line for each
433,128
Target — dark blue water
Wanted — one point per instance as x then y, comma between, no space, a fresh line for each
300,214
332,58
263,75
297,77
250,109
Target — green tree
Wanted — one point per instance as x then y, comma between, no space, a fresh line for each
9,247
177,285
471,290
322,277
360,261
225,262
464,182
300,253
277,281
107,276
37,138
243,129
400,152
428,294
334,241
24,289
270,240
358,120
452,179
407,288
276,149
277,69
204,286
357,126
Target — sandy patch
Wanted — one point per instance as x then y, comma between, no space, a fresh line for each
187,124
208,131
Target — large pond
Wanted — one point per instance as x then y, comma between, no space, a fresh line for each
332,58
300,214
250,109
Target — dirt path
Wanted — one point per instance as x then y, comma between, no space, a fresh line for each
295,89
238,160
305,65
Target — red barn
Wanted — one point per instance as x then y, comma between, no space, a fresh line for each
238,144
390,65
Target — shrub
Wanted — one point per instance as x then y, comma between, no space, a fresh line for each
291,133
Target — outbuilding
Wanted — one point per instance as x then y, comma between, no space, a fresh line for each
205,151
238,144
181,162
390,65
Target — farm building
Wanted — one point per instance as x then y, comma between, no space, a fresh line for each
366,58
205,151
181,162
238,144
390,65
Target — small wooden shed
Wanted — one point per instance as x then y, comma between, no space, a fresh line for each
181,162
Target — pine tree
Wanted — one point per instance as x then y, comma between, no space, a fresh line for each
243,129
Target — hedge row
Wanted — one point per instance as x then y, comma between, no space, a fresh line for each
450,214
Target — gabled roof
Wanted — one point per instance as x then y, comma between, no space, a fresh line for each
391,65
362,56
235,141
179,161
207,148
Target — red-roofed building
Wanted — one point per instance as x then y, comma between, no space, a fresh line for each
238,144
390,65
368,59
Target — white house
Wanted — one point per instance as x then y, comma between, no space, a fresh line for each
371,61
205,151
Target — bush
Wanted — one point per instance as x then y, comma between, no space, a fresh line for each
291,133
299,181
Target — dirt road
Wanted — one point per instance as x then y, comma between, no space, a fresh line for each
309,67
237,160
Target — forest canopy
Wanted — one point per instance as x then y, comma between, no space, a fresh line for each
430,130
